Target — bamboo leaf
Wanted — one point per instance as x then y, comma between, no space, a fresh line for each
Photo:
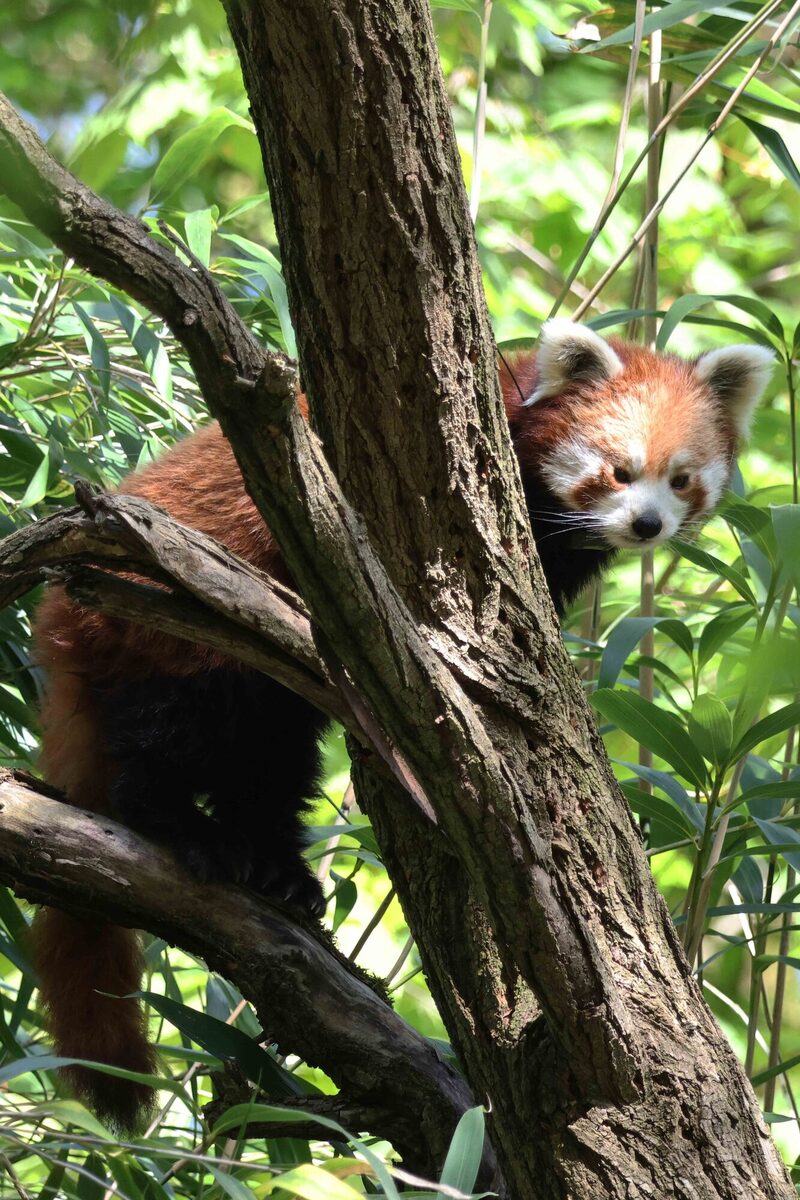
228,1043
627,634
701,558
191,150
779,836
199,226
653,727
775,147
775,723
719,629
786,524
711,727
464,1155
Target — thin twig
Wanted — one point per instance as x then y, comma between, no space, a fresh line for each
712,70
333,841
710,133
480,115
650,272
377,917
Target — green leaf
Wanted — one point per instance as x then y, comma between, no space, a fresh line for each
232,1187
686,304
786,524
230,1044
775,723
662,18
775,147
746,517
653,727
771,1072
778,836
766,800
267,266
310,1182
459,5
346,898
701,558
70,1112
52,1062
36,490
98,349
719,629
191,150
150,350
464,1155
711,727
627,634
198,226
670,786
747,879
656,809
239,1114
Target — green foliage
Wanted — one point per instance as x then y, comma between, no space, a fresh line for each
144,102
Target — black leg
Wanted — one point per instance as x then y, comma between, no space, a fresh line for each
218,767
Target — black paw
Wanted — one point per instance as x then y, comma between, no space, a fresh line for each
223,859
294,884
217,859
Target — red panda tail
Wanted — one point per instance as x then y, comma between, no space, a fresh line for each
77,960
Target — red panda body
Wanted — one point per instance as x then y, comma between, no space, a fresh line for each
617,447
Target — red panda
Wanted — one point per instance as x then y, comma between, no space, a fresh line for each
618,447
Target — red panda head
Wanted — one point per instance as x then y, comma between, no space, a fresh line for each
636,444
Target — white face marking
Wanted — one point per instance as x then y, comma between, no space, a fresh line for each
636,458
714,478
653,497
611,516
570,465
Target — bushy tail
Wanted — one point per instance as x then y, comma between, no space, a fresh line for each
76,961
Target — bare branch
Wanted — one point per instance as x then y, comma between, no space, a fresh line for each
305,991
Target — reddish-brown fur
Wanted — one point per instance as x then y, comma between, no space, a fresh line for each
668,403
199,484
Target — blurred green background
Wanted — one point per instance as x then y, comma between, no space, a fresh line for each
144,102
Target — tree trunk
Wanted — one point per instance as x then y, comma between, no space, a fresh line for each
549,952
537,884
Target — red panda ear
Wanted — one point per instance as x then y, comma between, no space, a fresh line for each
737,375
567,353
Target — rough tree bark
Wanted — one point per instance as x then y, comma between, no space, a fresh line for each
308,997
548,950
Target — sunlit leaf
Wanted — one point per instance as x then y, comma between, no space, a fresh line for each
775,723
711,727
188,152
775,147
463,1159
651,726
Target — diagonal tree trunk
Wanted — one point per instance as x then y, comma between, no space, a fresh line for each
547,947
626,1082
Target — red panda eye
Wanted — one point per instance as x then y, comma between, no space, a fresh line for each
679,482
621,475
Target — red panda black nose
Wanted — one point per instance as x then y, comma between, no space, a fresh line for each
647,525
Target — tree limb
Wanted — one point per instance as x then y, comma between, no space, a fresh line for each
214,597
304,990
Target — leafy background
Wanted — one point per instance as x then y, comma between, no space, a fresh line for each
144,101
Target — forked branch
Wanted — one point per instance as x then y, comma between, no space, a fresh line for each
306,993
